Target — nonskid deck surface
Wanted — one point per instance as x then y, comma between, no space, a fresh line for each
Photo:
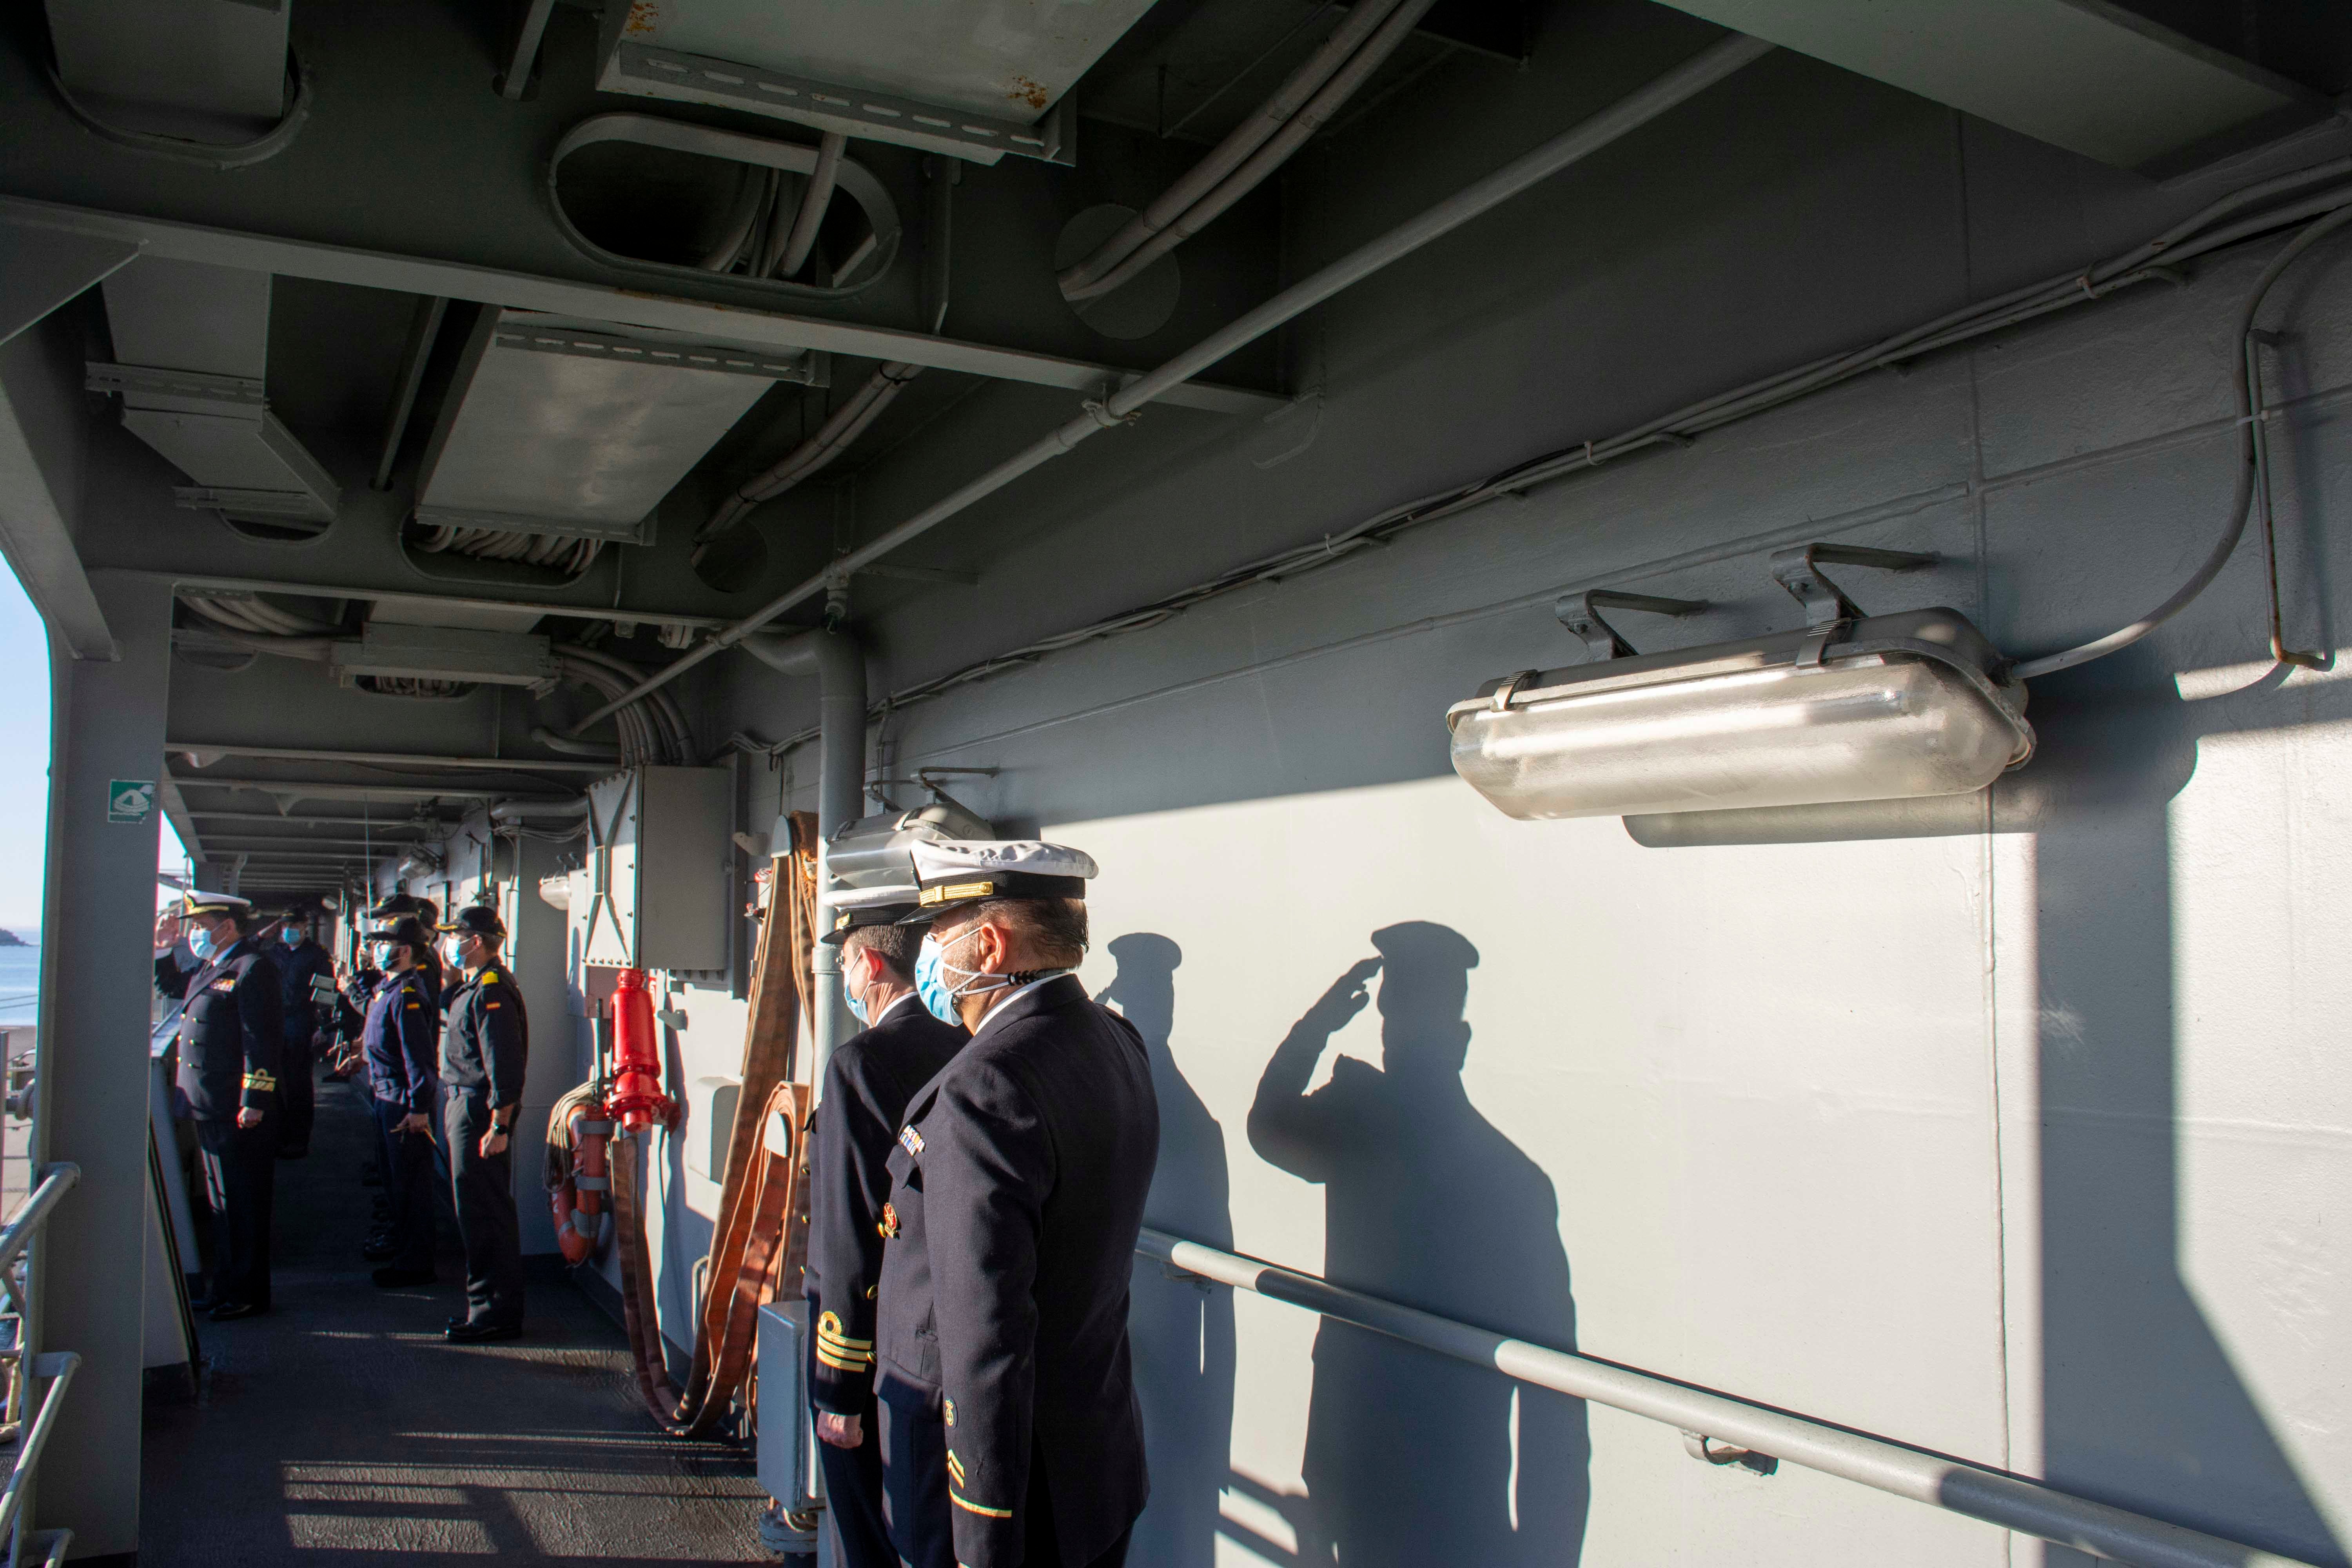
342,1428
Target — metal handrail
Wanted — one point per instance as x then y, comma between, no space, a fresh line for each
55,1181
57,1366
2014,1502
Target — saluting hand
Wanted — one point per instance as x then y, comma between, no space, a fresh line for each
1345,999
841,1431
167,932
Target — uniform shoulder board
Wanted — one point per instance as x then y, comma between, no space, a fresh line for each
909,1139
490,977
226,983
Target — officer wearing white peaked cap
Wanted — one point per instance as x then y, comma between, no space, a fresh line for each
1011,1432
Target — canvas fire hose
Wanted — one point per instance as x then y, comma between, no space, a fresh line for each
758,1243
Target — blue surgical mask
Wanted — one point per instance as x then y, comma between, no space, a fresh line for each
931,984
289,935
200,942
856,1002
941,983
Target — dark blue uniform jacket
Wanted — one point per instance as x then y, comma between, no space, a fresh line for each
231,1030
867,1083
484,1036
397,1040
298,966
1018,1186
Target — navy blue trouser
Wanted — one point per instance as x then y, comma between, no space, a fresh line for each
483,1190
852,1494
240,1170
915,1487
409,1163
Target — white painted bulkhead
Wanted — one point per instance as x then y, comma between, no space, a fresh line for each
2025,1139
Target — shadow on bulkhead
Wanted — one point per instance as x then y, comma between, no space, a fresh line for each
1182,1328
2143,1404
1412,1458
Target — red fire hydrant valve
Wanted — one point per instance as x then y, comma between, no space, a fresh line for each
636,1100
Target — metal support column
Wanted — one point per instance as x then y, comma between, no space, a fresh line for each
107,732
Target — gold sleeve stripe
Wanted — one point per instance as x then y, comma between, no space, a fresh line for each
843,1363
260,1081
854,1352
837,1337
955,1468
975,1508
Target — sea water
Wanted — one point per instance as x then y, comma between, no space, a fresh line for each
20,982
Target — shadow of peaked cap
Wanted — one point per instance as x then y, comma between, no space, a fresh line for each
474,920
956,871
198,903
1423,947
858,907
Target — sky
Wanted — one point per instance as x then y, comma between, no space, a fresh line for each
25,763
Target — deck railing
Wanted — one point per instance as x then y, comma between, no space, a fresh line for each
1722,1429
26,1369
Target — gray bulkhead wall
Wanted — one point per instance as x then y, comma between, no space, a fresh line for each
2014,1131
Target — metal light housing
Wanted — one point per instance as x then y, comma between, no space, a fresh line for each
1876,708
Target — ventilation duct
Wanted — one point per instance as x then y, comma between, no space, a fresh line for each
968,79
560,436
192,348
1854,708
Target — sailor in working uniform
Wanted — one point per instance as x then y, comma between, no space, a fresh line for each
306,976
1011,1433
867,1083
485,1038
231,1030
397,1043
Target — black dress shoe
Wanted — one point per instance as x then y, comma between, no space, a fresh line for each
230,1311
393,1278
473,1333
201,1303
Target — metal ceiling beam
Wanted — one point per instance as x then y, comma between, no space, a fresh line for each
343,789
384,825
42,414
2084,75
380,759
723,323
445,601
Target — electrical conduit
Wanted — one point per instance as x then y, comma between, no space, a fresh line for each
1683,83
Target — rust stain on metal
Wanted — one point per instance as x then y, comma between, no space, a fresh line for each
1031,93
645,17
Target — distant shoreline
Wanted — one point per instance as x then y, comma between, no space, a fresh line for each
10,939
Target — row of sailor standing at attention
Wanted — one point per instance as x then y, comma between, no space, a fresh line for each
234,1066
978,1169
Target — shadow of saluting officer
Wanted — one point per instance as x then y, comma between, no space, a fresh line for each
1412,1458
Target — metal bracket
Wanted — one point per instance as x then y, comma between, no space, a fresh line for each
1798,571
1580,613
1714,1451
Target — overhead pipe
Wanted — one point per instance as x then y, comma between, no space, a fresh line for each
1077,281
1262,163
814,201
837,664
1685,81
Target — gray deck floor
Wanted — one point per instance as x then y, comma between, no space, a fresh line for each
342,1428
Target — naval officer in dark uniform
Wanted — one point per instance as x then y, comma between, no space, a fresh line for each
1011,1433
867,1083
398,1044
306,975
485,1038
232,1027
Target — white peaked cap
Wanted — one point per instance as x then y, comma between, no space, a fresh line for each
946,858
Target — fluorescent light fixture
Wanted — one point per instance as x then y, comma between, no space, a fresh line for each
1880,708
